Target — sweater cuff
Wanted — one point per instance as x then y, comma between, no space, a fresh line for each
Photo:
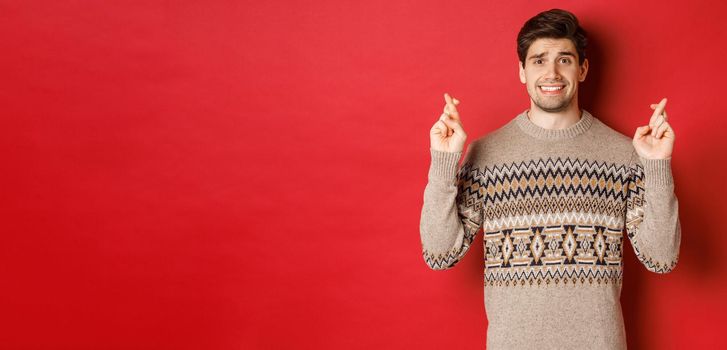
657,171
444,165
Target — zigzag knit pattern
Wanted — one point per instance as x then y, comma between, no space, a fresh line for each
527,211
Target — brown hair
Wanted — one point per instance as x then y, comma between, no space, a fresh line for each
555,24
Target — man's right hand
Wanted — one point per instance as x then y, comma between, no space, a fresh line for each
447,134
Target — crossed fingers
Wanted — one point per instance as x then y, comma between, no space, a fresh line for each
450,108
658,120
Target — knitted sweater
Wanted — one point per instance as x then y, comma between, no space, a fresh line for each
552,205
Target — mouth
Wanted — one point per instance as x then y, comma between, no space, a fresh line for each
551,89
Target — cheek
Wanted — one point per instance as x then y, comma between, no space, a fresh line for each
532,89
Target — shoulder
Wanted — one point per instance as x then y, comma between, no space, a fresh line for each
506,131
614,141
481,149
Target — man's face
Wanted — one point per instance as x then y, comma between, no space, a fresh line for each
552,64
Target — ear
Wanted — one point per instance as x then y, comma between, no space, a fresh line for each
584,71
522,72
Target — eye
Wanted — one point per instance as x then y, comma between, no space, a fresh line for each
567,60
538,61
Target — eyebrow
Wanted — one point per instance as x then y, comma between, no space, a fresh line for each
560,53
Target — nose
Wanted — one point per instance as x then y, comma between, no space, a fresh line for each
552,72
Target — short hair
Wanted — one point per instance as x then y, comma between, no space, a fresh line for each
554,24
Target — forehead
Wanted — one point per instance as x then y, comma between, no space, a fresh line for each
549,45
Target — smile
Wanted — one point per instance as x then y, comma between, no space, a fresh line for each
551,90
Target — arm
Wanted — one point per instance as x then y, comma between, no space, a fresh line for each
452,212
652,213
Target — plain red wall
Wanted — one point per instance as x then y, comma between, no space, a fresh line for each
249,175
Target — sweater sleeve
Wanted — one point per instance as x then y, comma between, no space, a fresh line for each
652,213
452,212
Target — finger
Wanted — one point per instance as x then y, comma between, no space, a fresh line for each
450,113
641,131
659,121
654,116
446,114
663,129
436,129
451,105
455,125
446,131
439,128
453,110
658,108
449,130
669,132
663,115
446,111
660,130
443,123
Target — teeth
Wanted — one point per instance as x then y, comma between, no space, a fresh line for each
551,88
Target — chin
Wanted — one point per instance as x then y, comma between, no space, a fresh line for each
553,108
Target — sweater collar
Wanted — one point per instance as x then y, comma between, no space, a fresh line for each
532,129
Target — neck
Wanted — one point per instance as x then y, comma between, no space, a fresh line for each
555,120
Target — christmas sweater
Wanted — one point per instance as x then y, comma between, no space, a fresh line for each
552,206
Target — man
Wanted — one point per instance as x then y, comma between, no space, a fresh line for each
552,190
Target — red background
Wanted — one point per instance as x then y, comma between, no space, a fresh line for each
227,175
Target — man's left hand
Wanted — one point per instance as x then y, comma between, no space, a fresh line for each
656,140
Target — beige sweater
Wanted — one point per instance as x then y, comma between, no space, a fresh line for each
552,205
